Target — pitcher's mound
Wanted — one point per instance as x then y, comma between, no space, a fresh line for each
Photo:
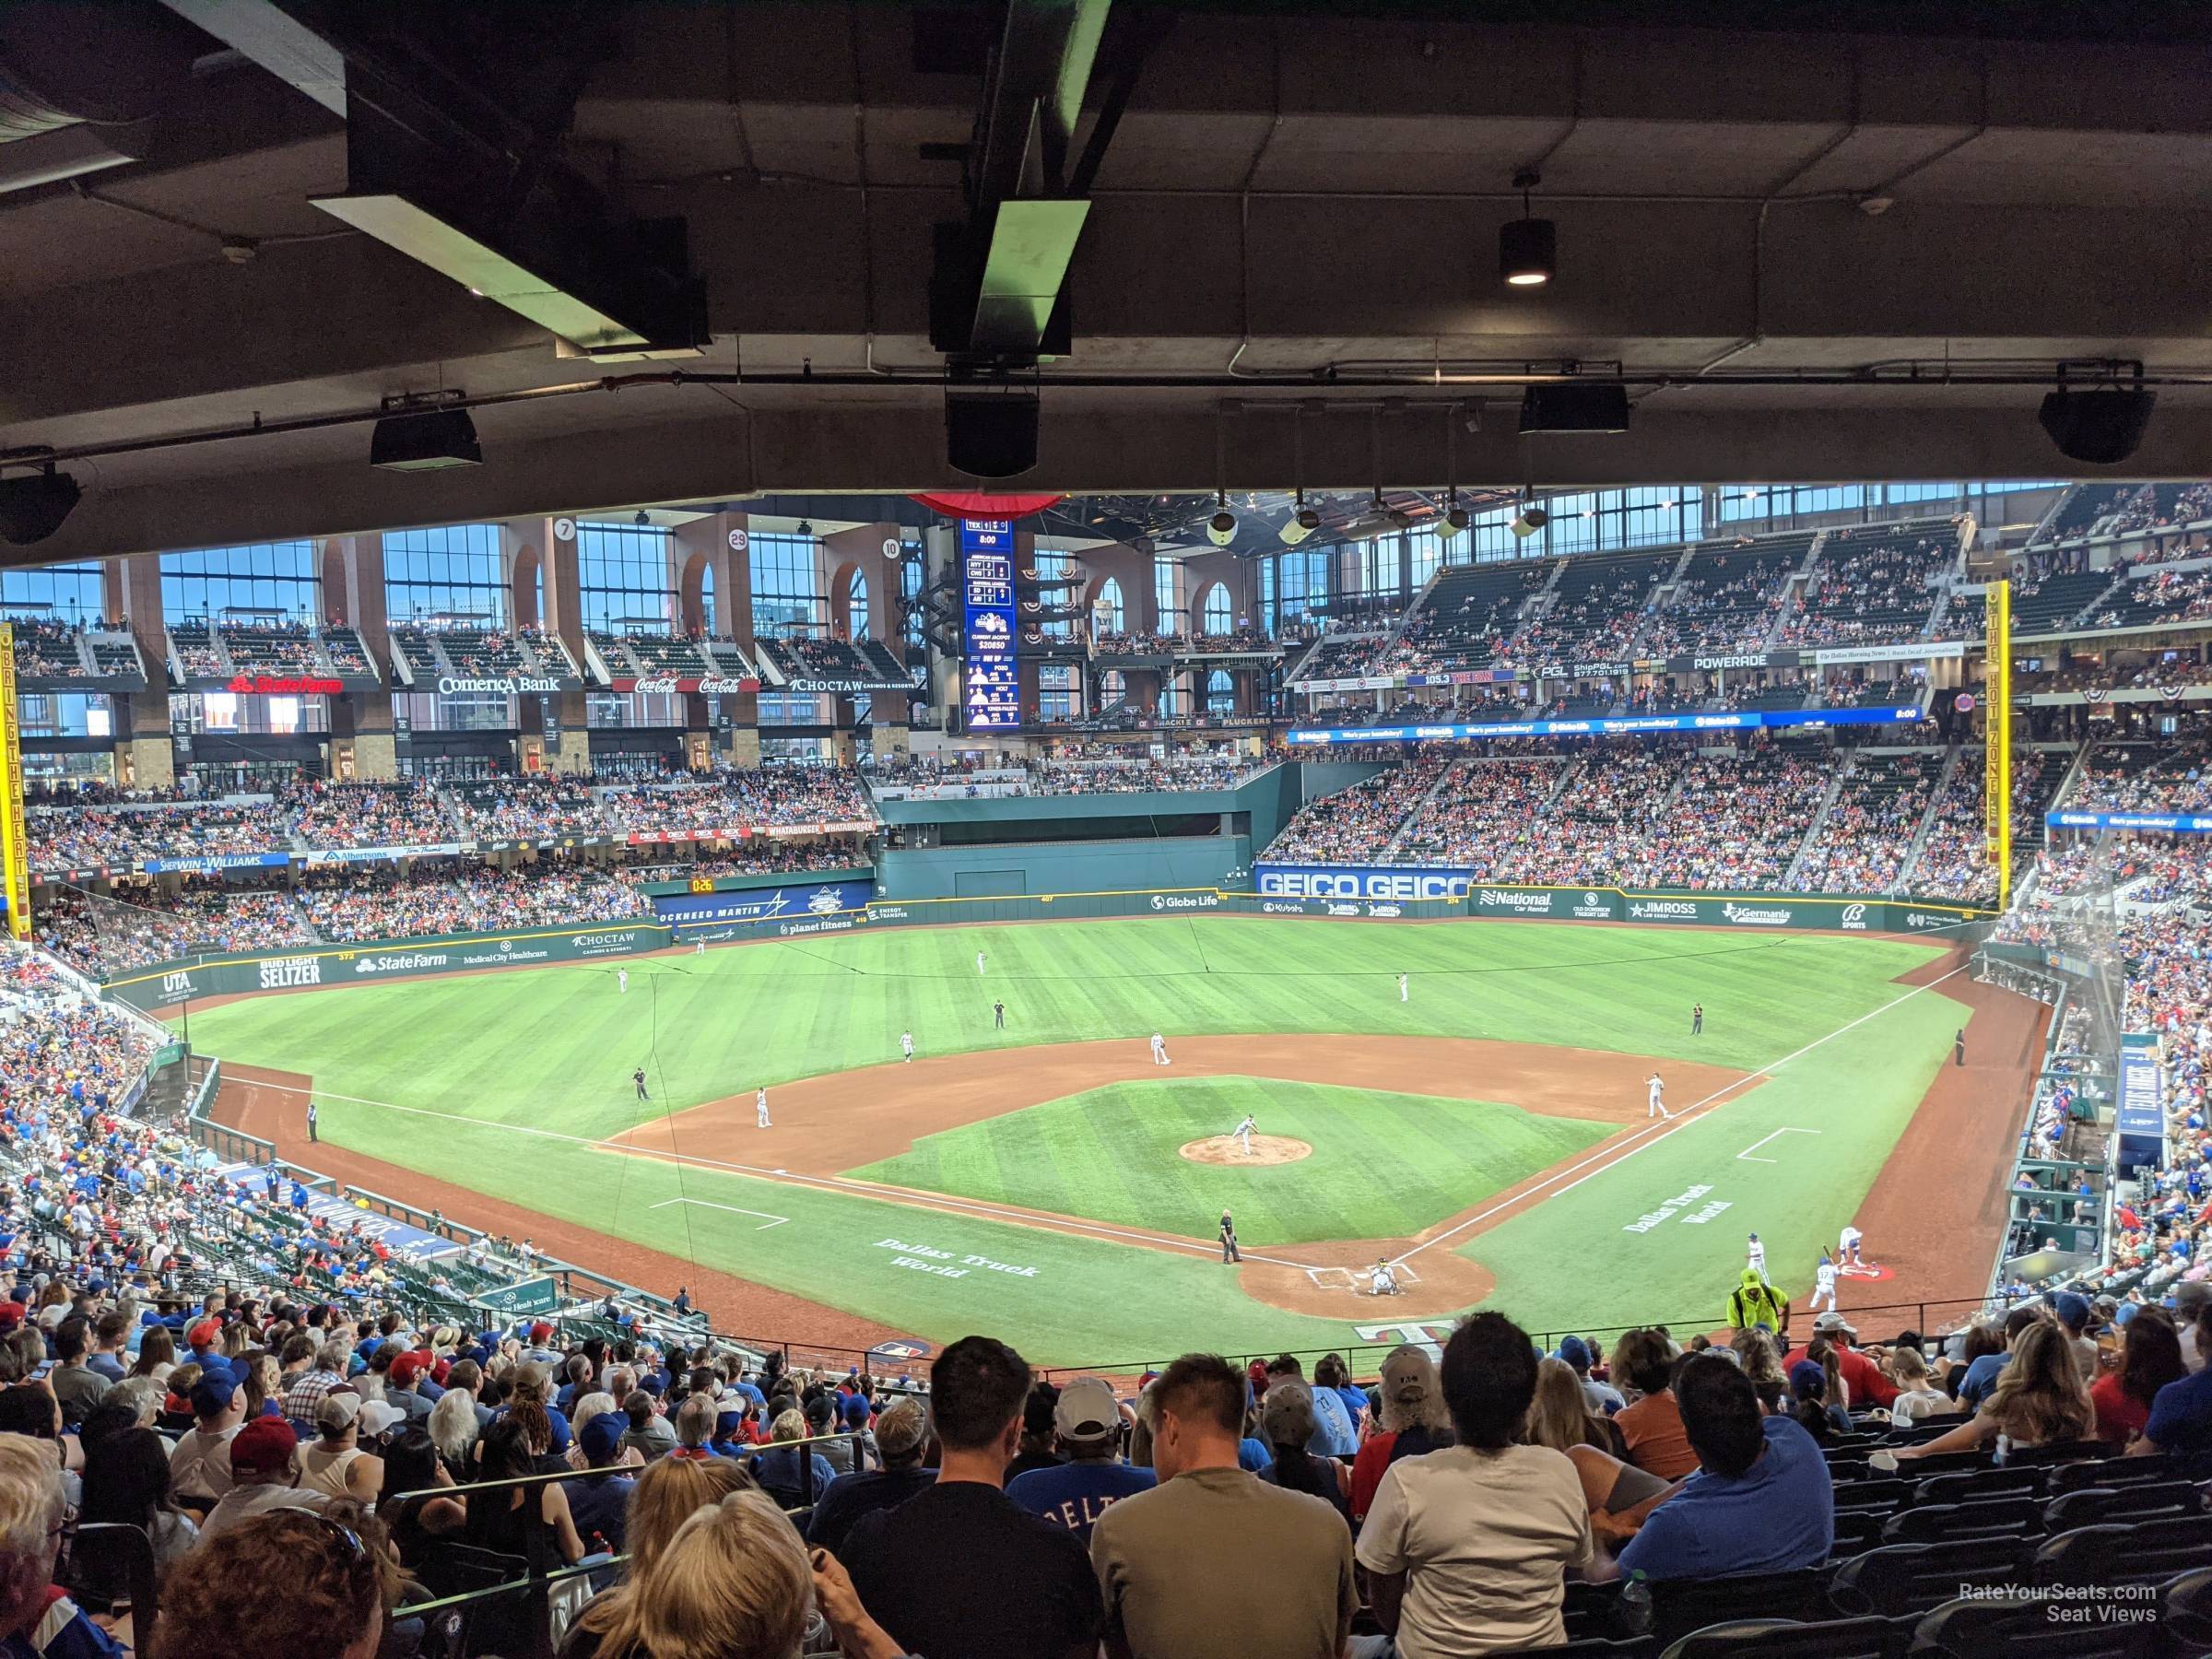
1266,1149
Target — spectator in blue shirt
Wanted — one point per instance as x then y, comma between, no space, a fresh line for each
778,1469
1982,1375
1761,1500
1087,1432
1335,1434
2181,1412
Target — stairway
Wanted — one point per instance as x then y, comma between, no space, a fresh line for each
1812,830
1397,840
1927,819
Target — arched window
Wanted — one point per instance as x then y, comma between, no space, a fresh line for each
1172,700
1221,690
1106,611
706,599
1218,618
857,606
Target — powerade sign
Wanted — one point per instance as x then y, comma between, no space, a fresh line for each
990,685
2182,823
822,899
1748,720
1346,882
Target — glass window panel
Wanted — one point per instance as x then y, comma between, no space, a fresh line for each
207,582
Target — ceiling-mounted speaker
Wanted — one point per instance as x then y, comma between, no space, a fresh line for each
990,434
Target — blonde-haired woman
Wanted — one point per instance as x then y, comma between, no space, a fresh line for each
734,1584
667,1496
2040,1400
1619,1494
1917,1395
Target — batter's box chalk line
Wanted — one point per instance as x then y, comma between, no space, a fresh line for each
1358,1279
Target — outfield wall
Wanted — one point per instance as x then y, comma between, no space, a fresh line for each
170,984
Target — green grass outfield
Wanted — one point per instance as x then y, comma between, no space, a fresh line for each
502,1081
1385,1165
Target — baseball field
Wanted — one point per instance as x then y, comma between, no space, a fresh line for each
1045,1179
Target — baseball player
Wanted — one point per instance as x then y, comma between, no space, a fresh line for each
1159,1049
1758,1262
1697,1019
1229,1240
638,1077
760,1107
979,963
1402,994
1657,1106
1847,1248
1824,1283
1242,1134
700,948
1382,1281
906,1044
998,1016
622,979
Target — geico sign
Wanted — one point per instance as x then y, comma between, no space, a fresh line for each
1361,883
286,971
449,683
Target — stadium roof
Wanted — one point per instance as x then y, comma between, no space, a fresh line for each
1812,254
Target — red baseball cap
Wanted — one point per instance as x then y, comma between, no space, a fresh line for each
205,1333
540,1332
264,1446
404,1369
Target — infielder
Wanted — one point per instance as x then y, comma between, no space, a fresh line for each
760,1109
1657,1106
1242,1134
1403,995
1383,1281
906,1044
1757,1262
622,979
1160,1050
1824,1283
1847,1248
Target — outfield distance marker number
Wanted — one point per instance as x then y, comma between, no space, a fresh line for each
1755,1145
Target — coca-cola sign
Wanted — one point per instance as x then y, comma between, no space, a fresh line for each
712,684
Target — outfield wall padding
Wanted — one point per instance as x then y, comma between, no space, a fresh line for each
167,984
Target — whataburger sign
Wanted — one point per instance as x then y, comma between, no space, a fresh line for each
671,685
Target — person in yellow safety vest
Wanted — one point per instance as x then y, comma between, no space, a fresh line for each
1755,1303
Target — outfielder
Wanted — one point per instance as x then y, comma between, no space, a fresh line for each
1824,1283
1403,995
979,961
906,1044
1159,1049
622,979
638,1077
1242,1134
1657,1106
760,1109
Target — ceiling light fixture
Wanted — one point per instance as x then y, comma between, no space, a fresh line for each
2100,426
1455,516
1528,247
1303,520
1531,518
643,520
32,508
1221,529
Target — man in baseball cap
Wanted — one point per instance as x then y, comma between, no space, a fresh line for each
600,1504
1869,1387
264,1476
200,1466
903,1440
1087,1432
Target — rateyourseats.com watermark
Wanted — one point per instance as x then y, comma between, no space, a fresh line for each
2077,1604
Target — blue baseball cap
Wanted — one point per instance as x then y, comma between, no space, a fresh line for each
601,1437
1575,1352
1808,1379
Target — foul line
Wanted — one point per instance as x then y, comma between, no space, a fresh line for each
836,1184
1609,1160
1746,1154
707,1204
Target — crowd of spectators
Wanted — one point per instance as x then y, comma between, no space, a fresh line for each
115,838
1477,816
61,1052
528,806
2143,778
143,925
45,650
196,652
439,899
728,800
1954,863
1873,593
1738,819
332,815
1861,846
1355,824
272,647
